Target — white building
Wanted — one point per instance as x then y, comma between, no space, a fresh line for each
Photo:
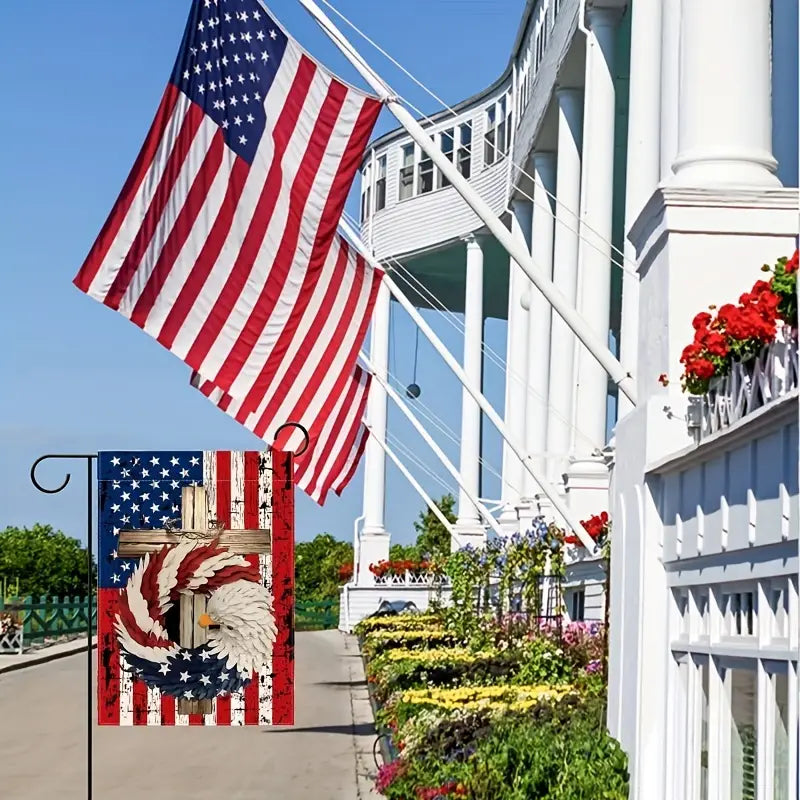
666,130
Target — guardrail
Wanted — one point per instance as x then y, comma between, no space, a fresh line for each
45,618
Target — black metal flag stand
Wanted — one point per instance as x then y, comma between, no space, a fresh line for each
89,589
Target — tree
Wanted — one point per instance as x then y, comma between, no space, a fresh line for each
316,567
46,561
433,539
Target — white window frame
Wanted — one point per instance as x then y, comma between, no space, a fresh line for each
441,181
402,167
380,175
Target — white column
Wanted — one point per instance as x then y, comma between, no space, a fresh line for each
374,538
597,197
644,131
725,125
670,80
468,524
565,275
540,314
519,298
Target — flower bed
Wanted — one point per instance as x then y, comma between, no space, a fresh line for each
737,333
512,713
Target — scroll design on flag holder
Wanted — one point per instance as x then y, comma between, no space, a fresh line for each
306,437
88,457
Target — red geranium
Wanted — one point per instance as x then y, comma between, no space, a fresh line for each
596,526
345,572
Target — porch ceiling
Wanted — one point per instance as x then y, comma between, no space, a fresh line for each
443,272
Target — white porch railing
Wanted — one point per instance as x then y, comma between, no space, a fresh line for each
748,387
411,579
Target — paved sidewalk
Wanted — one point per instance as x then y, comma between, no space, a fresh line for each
326,756
41,655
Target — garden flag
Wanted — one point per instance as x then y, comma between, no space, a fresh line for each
196,577
223,245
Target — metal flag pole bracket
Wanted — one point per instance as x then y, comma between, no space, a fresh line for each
302,429
88,457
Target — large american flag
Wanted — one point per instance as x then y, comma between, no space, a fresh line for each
142,490
223,243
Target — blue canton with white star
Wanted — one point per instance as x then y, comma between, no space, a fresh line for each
229,56
139,491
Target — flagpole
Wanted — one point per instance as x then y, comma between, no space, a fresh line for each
437,512
547,488
515,248
446,463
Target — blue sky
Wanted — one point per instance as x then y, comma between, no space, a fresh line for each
79,97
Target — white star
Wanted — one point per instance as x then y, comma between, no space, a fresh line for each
247,37
125,473
188,695
115,461
184,676
265,56
224,60
115,508
164,496
237,120
204,654
126,520
135,461
146,520
164,669
201,88
154,461
134,484
250,118
193,50
207,3
154,484
240,78
113,554
204,46
256,15
223,676
249,57
145,473
174,461
242,140
233,100
236,58
174,485
196,69
116,531
273,34
184,473
232,38
115,578
209,66
252,76
260,36
164,473
186,74
126,496
154,508
213,86
205,680
134,507
200,26
115,484
215,44
243,16
126,566
175,509
228,80
245,98
217,104
194,461
225,124
257,95
227,17
145,495
164,520
187,656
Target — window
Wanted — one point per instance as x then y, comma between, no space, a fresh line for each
366,194
489,136
465,149
380,183
738,613
406,183
447,146
425,175
577,605
501,142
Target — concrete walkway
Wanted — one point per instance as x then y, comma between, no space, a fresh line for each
326,756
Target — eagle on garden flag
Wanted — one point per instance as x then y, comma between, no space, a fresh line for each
223,244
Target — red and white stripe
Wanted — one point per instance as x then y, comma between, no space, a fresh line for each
237,268
337,437
241,494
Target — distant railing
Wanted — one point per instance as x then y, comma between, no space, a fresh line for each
316,615
46,618
410,578
748,387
